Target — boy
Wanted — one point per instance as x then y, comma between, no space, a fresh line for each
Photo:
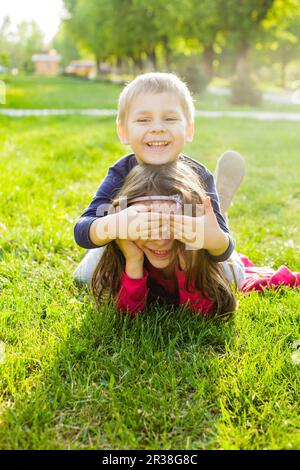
156,118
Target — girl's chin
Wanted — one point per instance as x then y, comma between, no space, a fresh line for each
159,262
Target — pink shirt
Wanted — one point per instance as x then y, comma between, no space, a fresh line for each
133,293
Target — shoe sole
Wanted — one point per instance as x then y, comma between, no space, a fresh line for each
229,174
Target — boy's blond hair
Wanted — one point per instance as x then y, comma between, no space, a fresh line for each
156,82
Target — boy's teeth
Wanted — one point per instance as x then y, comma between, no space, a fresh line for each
157,143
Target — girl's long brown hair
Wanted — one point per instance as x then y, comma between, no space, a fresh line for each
206,275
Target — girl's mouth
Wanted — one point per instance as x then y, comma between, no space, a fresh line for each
160,253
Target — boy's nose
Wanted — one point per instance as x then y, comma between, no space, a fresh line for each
157,127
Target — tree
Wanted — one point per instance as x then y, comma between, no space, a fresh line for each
18,47
135,29
65,45
283,34
243,25
203,23
90,23
4,41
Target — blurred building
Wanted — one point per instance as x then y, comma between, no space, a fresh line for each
81,68
46,63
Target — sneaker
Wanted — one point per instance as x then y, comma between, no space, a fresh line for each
229,174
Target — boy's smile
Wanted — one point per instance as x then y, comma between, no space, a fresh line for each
156,128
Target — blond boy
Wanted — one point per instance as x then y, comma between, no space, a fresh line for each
156,118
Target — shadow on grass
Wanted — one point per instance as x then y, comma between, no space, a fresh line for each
117,383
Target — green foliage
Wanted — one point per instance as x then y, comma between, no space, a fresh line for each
65,46
22,44
139,35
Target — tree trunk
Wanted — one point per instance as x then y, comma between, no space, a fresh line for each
283,67
242,63
98,61
167,51
119,64
138,63
153,58
208,58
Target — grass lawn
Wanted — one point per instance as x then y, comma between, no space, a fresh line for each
76,378
67,92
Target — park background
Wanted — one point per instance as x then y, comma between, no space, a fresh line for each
72,376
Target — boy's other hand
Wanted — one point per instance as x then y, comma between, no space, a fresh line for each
201,232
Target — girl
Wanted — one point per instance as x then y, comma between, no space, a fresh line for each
141,272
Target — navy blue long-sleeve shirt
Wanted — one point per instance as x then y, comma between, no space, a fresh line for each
114,181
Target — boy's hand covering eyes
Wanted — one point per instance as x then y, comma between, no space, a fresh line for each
139,222
197,232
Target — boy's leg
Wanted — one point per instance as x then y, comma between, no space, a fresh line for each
230,171
234,269
229,174
84,271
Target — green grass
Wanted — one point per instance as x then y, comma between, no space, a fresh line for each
78,378
32,92
59,92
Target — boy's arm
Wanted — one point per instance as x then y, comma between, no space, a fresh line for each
88,227
103,230
228,243
208,182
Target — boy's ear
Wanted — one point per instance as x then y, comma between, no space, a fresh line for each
190,132
122,134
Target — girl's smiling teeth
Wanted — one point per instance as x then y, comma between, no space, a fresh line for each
160,253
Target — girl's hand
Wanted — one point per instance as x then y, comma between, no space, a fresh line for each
134,258
131,251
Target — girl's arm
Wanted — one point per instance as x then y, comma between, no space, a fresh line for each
133,292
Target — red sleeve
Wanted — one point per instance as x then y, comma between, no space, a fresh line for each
133,293
194,299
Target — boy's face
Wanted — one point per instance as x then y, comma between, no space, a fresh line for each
156,128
